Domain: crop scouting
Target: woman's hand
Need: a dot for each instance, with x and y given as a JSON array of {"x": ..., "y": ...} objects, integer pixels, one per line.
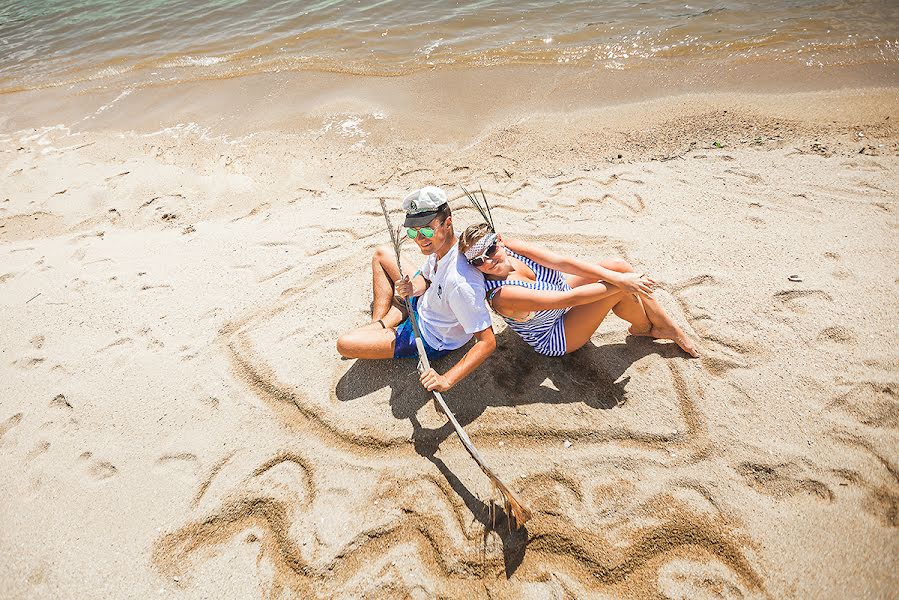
[
  {"x": 633, "y": 283},
  {"x": 434, "y": 381},
  {"x": 403, "y": 287}
]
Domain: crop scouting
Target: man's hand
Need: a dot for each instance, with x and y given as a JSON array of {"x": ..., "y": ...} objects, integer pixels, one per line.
[
  {"x": 434, "y": 381},
  {"x": 632, "y": 283},
  {"x": 403, "y": 287}
]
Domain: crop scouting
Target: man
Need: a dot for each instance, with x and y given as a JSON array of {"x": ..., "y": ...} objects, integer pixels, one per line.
[{"x": 447, "y": 295}]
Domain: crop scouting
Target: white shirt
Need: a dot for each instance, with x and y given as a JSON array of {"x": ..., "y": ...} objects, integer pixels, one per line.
[{"x": 453, "y": 307}]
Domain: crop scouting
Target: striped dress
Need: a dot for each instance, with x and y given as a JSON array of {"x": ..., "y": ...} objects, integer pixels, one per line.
[{"x": 545, "y": 329}]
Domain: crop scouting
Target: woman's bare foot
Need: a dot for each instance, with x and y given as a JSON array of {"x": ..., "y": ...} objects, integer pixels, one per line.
[{"x": 675, "y": 333}]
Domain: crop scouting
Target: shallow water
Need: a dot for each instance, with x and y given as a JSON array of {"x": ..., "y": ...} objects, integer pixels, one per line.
[{"x": 63, "y": 42}]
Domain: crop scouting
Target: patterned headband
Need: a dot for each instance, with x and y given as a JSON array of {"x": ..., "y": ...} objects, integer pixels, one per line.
[{"x": 478, "y": 248}]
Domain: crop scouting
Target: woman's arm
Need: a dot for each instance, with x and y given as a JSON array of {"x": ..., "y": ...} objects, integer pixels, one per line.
[
  {"x": 629, "y": 282},
  {"x": 560, "y": 262},
  {"x": 515, "y": 298}
]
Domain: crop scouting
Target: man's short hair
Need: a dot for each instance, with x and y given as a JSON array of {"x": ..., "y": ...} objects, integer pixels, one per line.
[{"x": 443, "y": 212}]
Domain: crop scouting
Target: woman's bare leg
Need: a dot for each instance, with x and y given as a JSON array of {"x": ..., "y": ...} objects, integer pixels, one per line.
[
  {"x": 654, "y": 321},
  {"x": 630, "y": 310},
  {"x": 581, "y": 322},
  {"x": 664, "y": 328}
]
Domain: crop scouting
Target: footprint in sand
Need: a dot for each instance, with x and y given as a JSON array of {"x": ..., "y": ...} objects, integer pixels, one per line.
[
  {"x": 726, "y": 351},
  {"x": 119, "y": 342},
  {"x": 838, "y": 335},
  {"x": 780, "y": 481},
  {"x": 103, "y": 470},
  {"x": 39, "y": 449},
  {"x": 158, "y": 286},
  {"x": 871, "y": 403},
  {"x": 78, "y": 284},
  {"x": 747, "y": 176},
  {"x": 800, "y": 301},
  {"x": 683, "y": 578},
  {"x": 210, "y": 401},
  {"x": 10, "y": 423},
  {"x": 755, "y": 221},
  {"x": 184, "y": 463},
  {"x": 98, "y": 469},
  {"x": 212, "y": 313},
  {"x": 841, "y": 272},
  {"x": 163, "y": 209},
  {"x": 28, "y": 363},
  {"x": 188, "y": 353},
  {"x": 881, "y": 498},
  {"x": 60, "y": 401}
]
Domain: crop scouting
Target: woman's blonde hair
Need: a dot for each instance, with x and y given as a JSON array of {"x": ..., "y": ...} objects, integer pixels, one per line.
[{"x": 472, "y": 234}]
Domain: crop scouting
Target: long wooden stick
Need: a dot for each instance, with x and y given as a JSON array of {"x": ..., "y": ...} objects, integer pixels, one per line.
[{"x": 520, "y": 513}]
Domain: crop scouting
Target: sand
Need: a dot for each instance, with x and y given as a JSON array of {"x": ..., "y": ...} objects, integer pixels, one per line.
[{"x": 175, "y": 421}]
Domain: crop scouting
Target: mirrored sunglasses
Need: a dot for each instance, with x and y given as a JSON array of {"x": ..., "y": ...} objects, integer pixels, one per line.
[
  {"x": 477, "y": 261},
  {"x": 428, "y": 232}
]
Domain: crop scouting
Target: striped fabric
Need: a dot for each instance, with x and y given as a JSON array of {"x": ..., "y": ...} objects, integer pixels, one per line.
[{"x": 545, "y": 330}]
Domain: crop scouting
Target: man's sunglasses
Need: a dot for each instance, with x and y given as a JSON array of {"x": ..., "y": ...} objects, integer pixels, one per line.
[
  {"x": 477, "y": 261},
  {"x": 428, "y": 232}
]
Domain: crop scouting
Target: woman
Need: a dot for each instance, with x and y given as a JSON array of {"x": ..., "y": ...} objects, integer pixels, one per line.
[{"x": 555, "y": 315}]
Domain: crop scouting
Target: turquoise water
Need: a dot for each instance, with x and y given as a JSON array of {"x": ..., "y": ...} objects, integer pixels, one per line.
[{"x": 56, "y": 42}]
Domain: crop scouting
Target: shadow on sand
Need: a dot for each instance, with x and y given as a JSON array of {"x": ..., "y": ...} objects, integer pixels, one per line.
[{"x": 511, "y": 377}]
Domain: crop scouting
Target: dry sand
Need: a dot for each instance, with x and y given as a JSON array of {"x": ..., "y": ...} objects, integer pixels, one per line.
[{"x": 175, "y": 421}]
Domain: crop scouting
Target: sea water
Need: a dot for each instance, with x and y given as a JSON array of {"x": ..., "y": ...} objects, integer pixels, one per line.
[{"x": 53, "y": 43}]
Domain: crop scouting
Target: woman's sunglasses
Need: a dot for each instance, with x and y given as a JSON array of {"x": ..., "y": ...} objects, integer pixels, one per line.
[
  {"x": 477, "y": 261},
  {"x": 428, "y": 232}
]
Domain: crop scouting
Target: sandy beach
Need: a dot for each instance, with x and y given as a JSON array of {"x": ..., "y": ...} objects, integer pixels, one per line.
[{"x": 175, "y": 421}]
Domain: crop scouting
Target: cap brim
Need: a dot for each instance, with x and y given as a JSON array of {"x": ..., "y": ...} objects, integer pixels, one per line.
[{"x": 419, "y": 219}]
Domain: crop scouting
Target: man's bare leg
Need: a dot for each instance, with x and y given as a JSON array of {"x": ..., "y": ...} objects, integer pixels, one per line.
[
  {"x": 384, "y": 272},
  {"x": 367, "y": 342},
  {"x": 376, "y": 339}
]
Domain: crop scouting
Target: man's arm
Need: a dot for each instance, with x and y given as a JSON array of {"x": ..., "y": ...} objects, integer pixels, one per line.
[
  {"x": 484, "y": 345},
  {"x": 409, "y": 288}
]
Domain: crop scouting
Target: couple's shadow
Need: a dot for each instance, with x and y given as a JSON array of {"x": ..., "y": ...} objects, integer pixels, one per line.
[{"x": 513, "y": 376}]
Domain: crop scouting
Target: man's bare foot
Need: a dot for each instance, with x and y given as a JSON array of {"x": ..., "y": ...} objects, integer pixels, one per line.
[{"x": 676, "y": 334}]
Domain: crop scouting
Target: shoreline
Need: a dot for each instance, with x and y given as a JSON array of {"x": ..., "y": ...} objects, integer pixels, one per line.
[{"x": 449, "y": 101}]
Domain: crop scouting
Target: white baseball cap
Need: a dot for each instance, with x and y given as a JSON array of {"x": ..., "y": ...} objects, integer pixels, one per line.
[{"x": 422, "y": 205}]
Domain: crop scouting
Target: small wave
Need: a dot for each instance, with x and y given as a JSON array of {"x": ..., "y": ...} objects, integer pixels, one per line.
[
  {"x": 107, "y": 72},
  {"x": 191, "y": 130},
  {"x": 346, "y": 126},
  {"x": 430, "y": 47},
  {"x": 110, "y": 104},
  {"x": 194, "y": 61},
  {"x": 350, "y": 125}
]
